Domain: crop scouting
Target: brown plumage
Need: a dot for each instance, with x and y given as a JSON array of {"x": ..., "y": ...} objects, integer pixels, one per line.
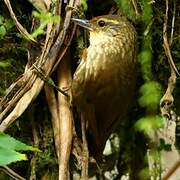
[{"x": 104, "y": 81}]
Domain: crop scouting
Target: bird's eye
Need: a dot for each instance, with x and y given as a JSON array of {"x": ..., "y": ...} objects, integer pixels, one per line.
[{"x": 101, "y": 23}]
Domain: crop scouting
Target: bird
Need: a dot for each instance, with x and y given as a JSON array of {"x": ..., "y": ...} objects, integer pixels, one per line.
[{"x": 104, "y": 82}]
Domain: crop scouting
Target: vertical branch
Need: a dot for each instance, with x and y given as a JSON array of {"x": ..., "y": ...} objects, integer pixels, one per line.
[
  {"x": 85, "y": 152},
  {"x": 65, "y": 117},
  {"x": 168, "y": 133},
  {"x": 167, "y": 100},
  {"x": 136, "y": 8},
  {"x": 173, "y": 23},
  {"x": 21, "y": 29},
  {"x": 36, "y": 144},
  {"x": 52, "y": 104}
]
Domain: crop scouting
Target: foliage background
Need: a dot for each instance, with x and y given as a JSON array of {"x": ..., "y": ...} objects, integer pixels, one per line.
[{"x": 128, "y": 150}]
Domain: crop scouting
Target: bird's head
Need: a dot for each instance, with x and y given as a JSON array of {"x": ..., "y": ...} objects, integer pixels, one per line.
[{"x": 105, "y": 27}]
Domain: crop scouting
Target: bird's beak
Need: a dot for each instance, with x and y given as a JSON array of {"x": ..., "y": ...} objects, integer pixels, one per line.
[{"x": 83, "y": 23}]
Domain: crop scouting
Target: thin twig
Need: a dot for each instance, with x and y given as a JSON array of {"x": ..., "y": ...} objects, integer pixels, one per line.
[
  {"x": 27, "y": 95},
  {"x": 166, "y": 44},
  {"x": 85, "y": 151},
  {"x": 18, "y": 95},
  {"x": 22, "y": 104},
  {"x": 64, "y": 32},
  {"x": 21, "y": 29},
  {"x": 167, "y": 100},
  {"x": 173, "y": 22},
  {"x": 171, "y": 171},
  {"x": 48, "y": 80},
  {"x": 11, "y": 173},
  {"x": 50, "y": 34},
  {"x": 77, "y": 148},
  {"x": 36, "y": 144},
  {"x": 136, "y": 7}
]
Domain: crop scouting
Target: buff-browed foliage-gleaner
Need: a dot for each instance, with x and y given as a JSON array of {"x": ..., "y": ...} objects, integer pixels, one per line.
[{"x": 103, "y": 83}]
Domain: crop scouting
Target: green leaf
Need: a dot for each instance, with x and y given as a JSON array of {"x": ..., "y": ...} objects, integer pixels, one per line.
[
  {"x": 145, "y": 60},
  {"x": 8, "y": 148},
  {"x": 45, "y": 18},
  {"x": 5, "y": 63},
  {"x": 126, "y": 8},
  {"x": 84, "y": 5},
  {"x": 147, "y": 11},
  {"x": 151, "y": 93},
  {"x": 14, "y": 144},
  {"x": 1, "y": 20},
  {"x": 149, "y": 124},
  {"x": 8, "y": 156},
  {"x": 9, "y": 24},
  {"x": 2, "y": 31}
]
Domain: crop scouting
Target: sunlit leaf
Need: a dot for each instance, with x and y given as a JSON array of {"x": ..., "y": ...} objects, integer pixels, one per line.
[
  {"x": 84, "y": 5},
  {"x": 14, "y": 144},
  {"x": 149, "y": 124},
  {"x": 5, "y": 64},
  {"x": 8, "y": 156},
  {"x": 45, "y": 18},
  {"x": 9, "y": 147},
  {"x": 126, "y": 7},
  {"x": 151, "y": 95}
]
